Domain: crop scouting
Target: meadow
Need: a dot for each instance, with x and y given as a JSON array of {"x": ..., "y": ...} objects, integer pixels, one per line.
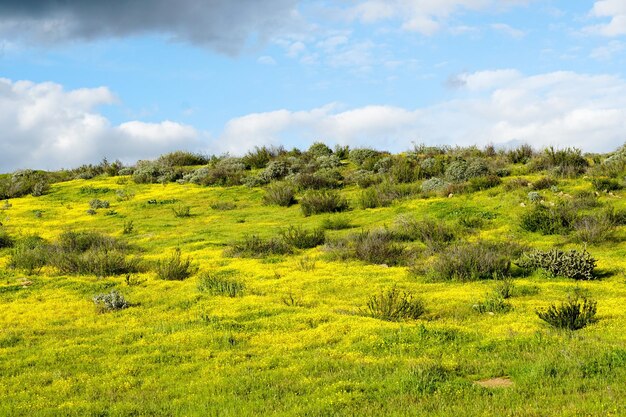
[{"x": 316, "y": 283}]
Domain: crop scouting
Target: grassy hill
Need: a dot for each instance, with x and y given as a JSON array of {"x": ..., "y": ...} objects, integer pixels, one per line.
[{"x": 181, "y": 286}]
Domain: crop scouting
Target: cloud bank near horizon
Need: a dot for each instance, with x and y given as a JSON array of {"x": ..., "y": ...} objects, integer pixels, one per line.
[{"x": 46, "y": 127}]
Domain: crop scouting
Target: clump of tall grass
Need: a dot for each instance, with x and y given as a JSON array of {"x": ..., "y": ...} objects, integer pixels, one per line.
[
  {"x": 252, "y": 246},
  {"x": 301, "y": 238},
  {"x": 573, "y": 314},
  {"x": 30, "y": 254},
  {"x": 435, "y": 235},
  {"x": 6, "y": 241},
  {"x": 280, "y": 194},
  {"x": 221, "y": 283},
  {"x": 473, "y": 261},
  {"x": 323, "y": 201},
  {"x": 336, "y": 223},
  {"x": 394, "y": 305},
  {"x": 175, "y": 268}
]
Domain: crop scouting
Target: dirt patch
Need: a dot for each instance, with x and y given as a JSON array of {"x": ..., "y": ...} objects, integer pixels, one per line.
[{"x": 501, "y": 382}]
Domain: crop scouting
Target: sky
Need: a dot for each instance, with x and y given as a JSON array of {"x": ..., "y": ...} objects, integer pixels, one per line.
[{"x": 129, "y": 80}]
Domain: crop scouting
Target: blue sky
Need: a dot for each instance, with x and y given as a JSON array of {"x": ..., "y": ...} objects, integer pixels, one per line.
[{"x": 82, "y": 80}]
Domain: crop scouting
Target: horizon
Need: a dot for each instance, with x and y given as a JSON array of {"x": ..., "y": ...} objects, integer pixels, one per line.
[{"x": 79, "y": 83}]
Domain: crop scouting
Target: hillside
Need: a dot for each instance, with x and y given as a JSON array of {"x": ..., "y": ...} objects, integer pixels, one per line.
[{"x": 315, "y": 283}]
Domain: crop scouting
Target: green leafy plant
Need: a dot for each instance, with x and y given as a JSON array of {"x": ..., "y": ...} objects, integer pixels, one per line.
[
  {"x": 280, "y": 194},
  {"x": 323, "y": 201},
  {"x": 573, "y": 314},
  {"x": 301, "y": 238},
  {"x": 221, "y": 283},
  {"x": 253, "y": 246}
]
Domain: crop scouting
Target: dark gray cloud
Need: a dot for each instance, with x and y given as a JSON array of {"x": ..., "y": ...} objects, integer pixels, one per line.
[{"x": 223, "y": 25}]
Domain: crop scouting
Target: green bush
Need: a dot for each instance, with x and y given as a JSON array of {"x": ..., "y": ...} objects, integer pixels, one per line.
[
  {"x": 223, "y": 205},
  {"x": 492, "y": 304},
  {"x": 261, "y": 156},
  {"x": 110, "y": 301},
  {"x": 319, "y": 149},
  {"x": 378, "y": 247},
  {"x": 521, "y": 154},
  {"x": 221, "y": 283},
  {"x": 394, "y": 305},
  {"x": 303, "y": 239},
  {"x": 30, "y": 254},
  {"x": 595, "y": 228},
  {"x": 324, "y": 178},
  {"x": 384, "y": 194},
  {"x": 573, "y": 314},
  {"x": 174, "y": 268},
  {"x": 472, "y": 261},
  {"x": 254, "y": 247},
  {"x": 567, "y": 162},
  {"x": 336, "y": 223},
  {"x": 434, "y": 184},
  {"x": 570, "y": 264},
  {"x": 606, "y": 184},
  {"x": 98, "y": 204},
  {"x": 280, "y": 194},
  {"x": 181, "y": 211},
  {"x": 182, "y": 158},
  {"x": 362, "y": 157},
  {"x": 435, "y": 235},
  {"x": 457, "y": 171},
  {"x": 315, "y": 202},
  {"x": 544, "y": 183},
  {"x": 6, "y": 241},
  {"x": 483, "y": 183},
  {"x": 549, "y": 220}
]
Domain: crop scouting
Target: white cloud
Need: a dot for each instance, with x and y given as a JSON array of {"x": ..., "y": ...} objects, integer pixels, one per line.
[
  {"x": 559, "y": 108},
  {"x": 615, "y": 10},
  {"x": 605, "y": 53},
  {"x": 422, "y": 16},
  {"x": 266, "y": 60},
  {"x": 44, "y": 126},
  {"x": 508, "y": 30}
]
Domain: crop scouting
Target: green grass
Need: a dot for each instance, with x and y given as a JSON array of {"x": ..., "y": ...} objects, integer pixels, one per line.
[{"x": 184, "y": 350}]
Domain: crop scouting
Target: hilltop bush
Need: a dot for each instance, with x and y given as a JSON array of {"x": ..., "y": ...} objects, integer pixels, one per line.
[
  {"x": 394, "y": 305},
  {"x": 259, "y": 157},
  {"x": 521, "y": 154},
  {"x": 567, "y": 162},
  {"x": 316, "y": 202},
  {"x": 24, "y": 182},
  {"x": 574, "y": 314},
  {"x": 574, "y": 264},
  {"x": 324, "y": 178},
  {"x": 182, "y": 158},
  {"x": 319, "y": 149}
]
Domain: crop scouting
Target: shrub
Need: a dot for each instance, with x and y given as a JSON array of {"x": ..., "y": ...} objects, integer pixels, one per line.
[
  {"x": 307, "y": 263},
  {"x": 594, "y": 229},
  {"x": 110, "y": 301},
  {"x": 383, "y": 195},
  {"x": 280, "y": 194},
  {"x": 325, "y": 178},
  {"x": 174, "y": 268},
  {"x": 504, "y": 288},
  {"x": 567, "y": 162},
  {"x": 378, "y": 247},
  {"x": 484, "y": 183},
  {"x": 319, "y": 149},
  {"x": 224, "y": 172},
  {"x": 606, "y": 184},
  {"x": 221, "y": 283},
  {"x": 361, "y": 157},
  {"x": 275, "y": 170},
  {"x": 149, "y": 172},
  {"x": 365, "y": 179},
  {"x": 129, "y": 227},
  {"x": 24, "y": 182},
  {"x": 181, "y": 211},
  {"x": 261, "y": 156},
  {"x": 393, "y": 305},
  {"x": 571, "y": 264},
  {"x": 254, "y": 247},
  {"x": 98, "y": 204},
  {"x": 302, "y": 238},
  {"x": 5, "y": 240},
  {"x": 492, "y": 304},
  {"x": 516, "y": 183},
  {"x": 30, "y": 254},
  {"x": 534, "y": 197},
  {"x": 315, "y": 202},
  {"x": 434, "y": 184},
  {"x": 223, "y": 205},
  {"x": 573, "y": 314},
  {"x": 549, "y": 220},
  {"x": 456, "y": 171},
  {"x": 336, "y": 223},
  {"x": 544, "y": 183},
  {"x": 472, "y": 261},
  {"x": 403, "y": 171},
  {"x": 435, "y": 235},
  {"x": 521, "y": 154},
  {"x": 182, "y": 158}
]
